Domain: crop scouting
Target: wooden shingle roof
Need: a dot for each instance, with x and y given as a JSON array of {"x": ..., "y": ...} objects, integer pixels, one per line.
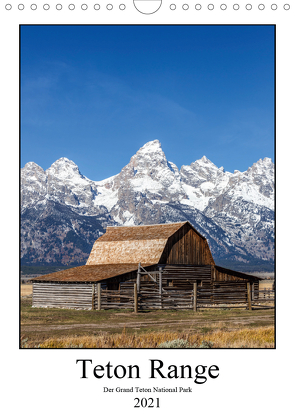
[
  {"x": 133, "y": 244},
  {"x": 88, "y": 273},
  {"x": 154, "y": 231}
]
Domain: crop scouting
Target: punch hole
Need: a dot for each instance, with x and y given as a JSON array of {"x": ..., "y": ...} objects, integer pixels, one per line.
[
  {"x": 261, "y": 6},
  {"x": 122, "y": 6},
  {"x": 109, "y": 7},
  {"x": 211, "y": 6},
  {"x": 71, "y": 6},
  {"x": 223, "y": 6},
  {"x": 248, "y": 6},
  {"x": 8, "y": 6},
  {"x": 84, "y": 6},
  {"x": 185, "y": 6},
  {"x": 46, "y": 6},
  {"x": 286, "y": 6},
  {"x": 58, "y": 6},
  {"x": 96, "y": 7},
  {"x": 236, "y": 6},
  {"x": 274, "y": 7},
  {"x": 21, "y": 7},
  {"x": 198, "y": 7},
  {"x": 33, "y": 6}
]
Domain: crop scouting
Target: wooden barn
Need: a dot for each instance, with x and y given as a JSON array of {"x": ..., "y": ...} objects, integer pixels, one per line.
[{"x": 154, "y": 266}]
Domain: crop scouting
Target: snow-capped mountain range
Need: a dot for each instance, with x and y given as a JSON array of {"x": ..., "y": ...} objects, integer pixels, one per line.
[{"x": 63, "y": 212}]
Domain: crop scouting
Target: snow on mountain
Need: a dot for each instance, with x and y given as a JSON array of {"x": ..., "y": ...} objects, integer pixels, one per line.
[
  {"x": 149, "y": 189},
  {"x": 66, "y": 184},
  {"x": 106, "y": 193},
  {"x": 65, "y": 170},
  {"x": 149, "y": 171},
  {"x": 33, "y": 184}
]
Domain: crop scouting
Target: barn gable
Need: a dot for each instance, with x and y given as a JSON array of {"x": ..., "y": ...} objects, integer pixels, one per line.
[{"x": 187, "y": 247}]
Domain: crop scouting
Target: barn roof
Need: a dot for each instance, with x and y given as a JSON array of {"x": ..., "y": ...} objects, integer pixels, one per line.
[
  {"x": 133, "y": 244},
  {"x": 238, "y": 274},
  {"x": 88, "y": 273},
  {"x": 142, "y": 232}
]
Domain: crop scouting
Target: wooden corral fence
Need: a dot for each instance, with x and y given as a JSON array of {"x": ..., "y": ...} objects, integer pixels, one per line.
[
  {"x": 93, "y": 297},
  {"x": 149, "y": 297},
  {"x": 265, "y": 298},
  {"x": 266, "y": 294},
  {"x": 146, "y": 299}
]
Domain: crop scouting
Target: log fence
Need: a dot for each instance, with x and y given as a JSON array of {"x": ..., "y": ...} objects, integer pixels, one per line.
[
  {"x": 266, "y": 294},
  {"x": 93, "y": 297},
  {"x": 149, "y": 297}
]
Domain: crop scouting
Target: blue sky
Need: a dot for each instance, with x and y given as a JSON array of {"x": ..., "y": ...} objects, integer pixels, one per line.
[{"x": 96, "y": 94}]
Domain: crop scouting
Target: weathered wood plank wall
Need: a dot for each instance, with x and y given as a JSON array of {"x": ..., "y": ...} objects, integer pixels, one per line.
[
  {"x": 69, "y": 295},
  {"x": 186, "y": 247}
]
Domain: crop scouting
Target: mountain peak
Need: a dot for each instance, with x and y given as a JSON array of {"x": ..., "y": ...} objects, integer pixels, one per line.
[
  {"x": 266, "y": 161},
  {"x": 63, "y": 161},
  {"x": 203, "y": 163},
  {"x": 64, "y": 168},
  {"x": 32, "y": 166},
  {"x": 149, "y": 171},
  {"x": 262, "y": 166},
  {"x": 149, "y": 154},
  {"x": 151, "y": 146}
]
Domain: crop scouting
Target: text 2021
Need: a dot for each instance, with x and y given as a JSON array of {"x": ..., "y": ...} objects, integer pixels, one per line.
[{"x": 147, "y": 402}]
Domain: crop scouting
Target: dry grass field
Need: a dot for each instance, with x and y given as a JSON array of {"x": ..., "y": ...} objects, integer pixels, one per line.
[
  {"x": 262, "y": 337},
  {"x": 26, "y": 289},
  {"x": 266, "y": 284},
  {"x": 208, "y": 328}
]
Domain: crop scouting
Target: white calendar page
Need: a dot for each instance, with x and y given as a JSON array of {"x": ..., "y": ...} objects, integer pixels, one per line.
[{"x": 50, "y": 381}]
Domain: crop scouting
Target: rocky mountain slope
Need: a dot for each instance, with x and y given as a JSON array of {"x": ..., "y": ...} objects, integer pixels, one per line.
[{"x": 63, "y": 212}]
